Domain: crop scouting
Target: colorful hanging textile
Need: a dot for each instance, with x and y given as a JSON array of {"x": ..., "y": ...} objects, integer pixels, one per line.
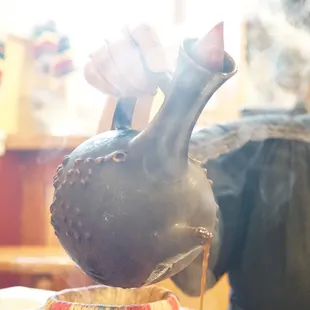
[
  {"x": 2, "y": 53},
  {"x": 1, "y": 58},
  {"x": 63, "y": 63},
  {"x": 52, "y": 50}
]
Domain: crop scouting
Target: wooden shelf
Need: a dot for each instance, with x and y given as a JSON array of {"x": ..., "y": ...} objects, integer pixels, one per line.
[
  {"x": 19, "y": 142},
  {"x": 34, "y": 259}
]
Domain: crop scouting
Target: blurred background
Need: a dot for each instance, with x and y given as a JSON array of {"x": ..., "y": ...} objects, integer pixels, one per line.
[{"x": 47, "y": 108}]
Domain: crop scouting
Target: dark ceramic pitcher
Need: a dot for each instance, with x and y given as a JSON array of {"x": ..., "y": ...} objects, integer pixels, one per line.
[{"x": 133, "y": 208}]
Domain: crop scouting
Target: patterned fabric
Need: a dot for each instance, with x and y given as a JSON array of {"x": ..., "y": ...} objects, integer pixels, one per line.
[
  {"x": 1, "y": 58},
  {"x": 63, "y": 63},
  {"x": 236, "y": 134},
  {"x": 91, "y": 297},
  {"x": 52, "y": 50}
]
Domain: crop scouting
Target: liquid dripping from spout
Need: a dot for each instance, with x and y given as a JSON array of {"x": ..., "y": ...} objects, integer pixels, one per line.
[
  {"x": 204, "y": 273},
  {"x": 208, "y": 51}
]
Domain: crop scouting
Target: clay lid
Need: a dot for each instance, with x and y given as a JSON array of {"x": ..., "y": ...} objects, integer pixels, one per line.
[{"x": 209, "y": 50}]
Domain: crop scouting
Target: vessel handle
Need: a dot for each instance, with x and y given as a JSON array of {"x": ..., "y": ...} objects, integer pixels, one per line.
[{"x": 123, "y": 114}]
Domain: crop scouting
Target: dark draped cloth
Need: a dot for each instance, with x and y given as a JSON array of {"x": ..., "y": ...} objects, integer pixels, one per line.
[{"x": 260, "y": 168}]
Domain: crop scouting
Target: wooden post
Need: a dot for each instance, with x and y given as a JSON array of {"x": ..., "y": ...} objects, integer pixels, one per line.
[
  {"x": 18, "y": 81},
  {"x": 15, "y": 106}
]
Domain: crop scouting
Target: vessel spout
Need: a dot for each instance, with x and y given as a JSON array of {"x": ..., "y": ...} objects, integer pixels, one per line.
[{"x": 202, "y": 67}]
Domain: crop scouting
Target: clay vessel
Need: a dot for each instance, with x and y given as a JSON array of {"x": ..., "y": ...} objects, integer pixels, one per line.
[
  {"x": 133, "y": 208},
  {"x": 101, "y": 297}
]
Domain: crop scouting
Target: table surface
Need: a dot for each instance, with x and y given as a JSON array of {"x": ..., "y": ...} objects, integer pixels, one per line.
[{"x": 23, "y": 298}]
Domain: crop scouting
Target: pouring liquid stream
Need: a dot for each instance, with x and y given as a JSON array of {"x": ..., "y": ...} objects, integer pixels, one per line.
[
  {"x": 204, "y": 273},
  {"x": 209, "y": 52}
]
